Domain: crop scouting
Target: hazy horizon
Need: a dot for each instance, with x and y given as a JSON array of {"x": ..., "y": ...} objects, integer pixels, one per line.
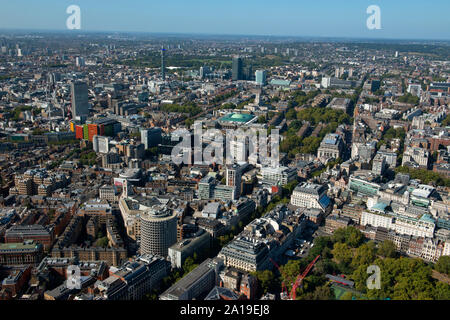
[{"x": 400, "y": 20}]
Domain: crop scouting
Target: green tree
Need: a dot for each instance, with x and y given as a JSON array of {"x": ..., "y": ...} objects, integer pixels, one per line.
[
  {"x": 365, "y": 254},
  {"x": 442, "y": 291},
  {"x": 350, "y": 235},
  {"x": 320, "y": 293},
  {"x": 342, "y": 253},
  {"x": 267, "y": 281},
  {"x": 443, "y": 265},
  {"x": 189, "y": 265},
  {"x": 387, "y": 249}
]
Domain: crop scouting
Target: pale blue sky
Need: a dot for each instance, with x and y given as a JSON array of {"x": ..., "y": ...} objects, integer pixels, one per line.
[{"x": 408, "y": 19}]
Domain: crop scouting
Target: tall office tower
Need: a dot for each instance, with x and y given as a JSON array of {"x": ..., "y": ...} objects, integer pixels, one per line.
[
  {"x": 237, "y": 73},
  {"x": 337, "y": 73},
  {"x": 261, "y": 77},
  {"x": 276, "y": 50},
  {"x": 375, "y": 85},
  {"x": 350, "y": 72},
  {"x": 248, "y": 73},
  {"x": 100, "y": 144},
  {"x": 239, "y": 150},
  {"x": 79, "y": 62},
  {"x": 80, "y": 103},
  {"x": 234, "y": 178},
  {"x": 396, "y": 54},
  {"x": 204, "y": 71},
  {"x": 163, "y": 66},
  {"x": 158, "y": 230},
  {"x": 151, "y": 137},
  {"x": 263, "y": 50}
]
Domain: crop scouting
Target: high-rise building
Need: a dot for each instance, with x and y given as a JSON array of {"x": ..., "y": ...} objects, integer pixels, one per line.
[
  {"x": 79, "y": 61},
  {"x": 100, "y": 144},
  {"x": 337, "y": 73},
  {"x": 151, "y": 137},
  {"x": 163, "y": 67},
  {"x": 158, "y": 230},
  {"x": 239, "y": 150},
  {"x": 261, "y": 77},
  {"x": 80, "y": 103},
  {"x": 375, "y": 85},
  {"x": 350, "y": 72},
  {"x": 237, "y": 73},
  {"x": 204, "y": 71},
  {"x": 234, "y": 178}
]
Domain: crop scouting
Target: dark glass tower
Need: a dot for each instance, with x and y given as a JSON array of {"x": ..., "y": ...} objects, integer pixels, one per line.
[
  {"x": 237, "y": 73},
  {"x": 163, "y": 67}
]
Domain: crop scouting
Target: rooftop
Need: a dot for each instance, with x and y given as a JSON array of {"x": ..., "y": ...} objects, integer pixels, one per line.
[{"x": 237, "y": 117}]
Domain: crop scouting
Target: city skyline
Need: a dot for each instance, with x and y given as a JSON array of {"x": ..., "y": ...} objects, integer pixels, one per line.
[{"x": 190, "y": 157}]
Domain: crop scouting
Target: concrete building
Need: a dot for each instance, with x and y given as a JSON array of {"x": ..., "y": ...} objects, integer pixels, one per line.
[
  {"x": 309, "y": 195},
  {"x": 402, "y": 224},
  {"x": 28, "y": 252},
  {"x": 100, "y": 144},
  {"x": 180, "y": 251},
  {"x": 134, "y": 279},
  {"x": 278, "y": 176},
  {"x": 342, "y": 104},
  {"x": 331, "y": 147},
  {"x": 379, "y": 164},
  {"x": 158, "y": 230},
  {"x": 234, "y": 178},
  {"x": 109, "y": 193},
  {"x": 246, "y": 254},
  {"x": 38, "y": 233},
  {"x": 416, "y": 157},
  {"x": 197, "y": 283}
]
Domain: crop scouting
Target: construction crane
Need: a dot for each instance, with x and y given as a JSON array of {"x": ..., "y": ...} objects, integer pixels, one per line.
[{"x": 300, "y": 278}]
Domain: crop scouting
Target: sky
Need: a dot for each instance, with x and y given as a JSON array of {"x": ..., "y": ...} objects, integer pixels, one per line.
[{"x": 400, "y": 19}]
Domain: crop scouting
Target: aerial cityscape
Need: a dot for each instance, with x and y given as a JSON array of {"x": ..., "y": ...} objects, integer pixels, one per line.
[{"x": 173, "y": 166}]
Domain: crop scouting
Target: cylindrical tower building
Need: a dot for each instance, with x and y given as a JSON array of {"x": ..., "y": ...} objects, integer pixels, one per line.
[{"x": 158, "y": 231}]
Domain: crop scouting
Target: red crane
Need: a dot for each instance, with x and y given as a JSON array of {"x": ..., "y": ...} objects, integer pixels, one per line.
[{"x": 300, "y": 278}]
